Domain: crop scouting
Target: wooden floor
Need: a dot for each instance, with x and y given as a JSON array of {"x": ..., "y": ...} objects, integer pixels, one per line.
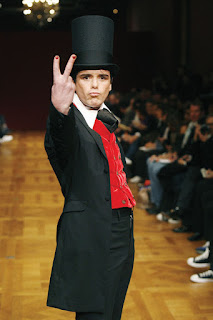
[{"x": 30, "y": 205}]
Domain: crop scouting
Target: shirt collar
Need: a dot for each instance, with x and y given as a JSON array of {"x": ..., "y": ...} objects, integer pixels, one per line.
[{"x": 88, "y": 114}]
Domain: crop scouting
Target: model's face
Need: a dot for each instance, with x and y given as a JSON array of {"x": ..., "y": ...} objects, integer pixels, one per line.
[{"x": 93, "y": 86}]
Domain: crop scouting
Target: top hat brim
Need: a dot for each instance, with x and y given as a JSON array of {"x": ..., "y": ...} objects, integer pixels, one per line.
[{"x": 113, "y": 68}]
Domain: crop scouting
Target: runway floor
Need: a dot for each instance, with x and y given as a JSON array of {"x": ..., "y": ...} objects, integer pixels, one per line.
[{"x": 30, "y": 206}]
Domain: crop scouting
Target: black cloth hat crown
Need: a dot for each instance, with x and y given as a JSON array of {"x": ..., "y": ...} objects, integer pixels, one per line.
[{"x": 92, "y": 42}]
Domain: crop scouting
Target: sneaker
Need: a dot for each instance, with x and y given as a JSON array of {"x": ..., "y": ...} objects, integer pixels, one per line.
[
  {"x": 201, "y": 261},
  {"x": 169, "y": 216},
  {"x": 162, "y": 216},
  {"x": 206, "y": 276},
  {"x": 6, "y": 138},
  {"x": 174, "y": 220},
  {"x": 135, "y": 179},
  {"x": 203, "y": 248},
  {"x": 128, "y": 161}
]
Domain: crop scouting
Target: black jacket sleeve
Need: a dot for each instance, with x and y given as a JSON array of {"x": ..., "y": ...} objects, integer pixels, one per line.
[{"x": 59, "y": 139}]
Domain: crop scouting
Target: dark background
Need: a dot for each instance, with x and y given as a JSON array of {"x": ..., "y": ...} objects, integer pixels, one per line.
[{"x": 151, "y": 37}]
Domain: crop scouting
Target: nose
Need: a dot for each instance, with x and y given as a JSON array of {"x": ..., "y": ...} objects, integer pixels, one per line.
[{"x": 94, "y": 82}]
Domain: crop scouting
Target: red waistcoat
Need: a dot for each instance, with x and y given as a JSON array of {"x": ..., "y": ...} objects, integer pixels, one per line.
[{"x": 121, "y": 195}]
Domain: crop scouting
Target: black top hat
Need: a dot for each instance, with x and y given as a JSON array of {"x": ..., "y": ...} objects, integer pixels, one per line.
[{"x": 92, "y": 42}]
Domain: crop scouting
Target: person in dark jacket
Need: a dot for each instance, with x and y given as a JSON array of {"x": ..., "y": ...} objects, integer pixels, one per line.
[
  {"x": 94, "y": 255},
  {"x": 202, "y": 159}
]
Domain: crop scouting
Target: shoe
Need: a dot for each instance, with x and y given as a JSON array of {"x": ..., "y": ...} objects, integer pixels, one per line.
[
  {"x": 170, "y": 216},
  {"x": 6, "y": 138},
  {"x": 196, "y": 236},
  {"x": 203, "y": 248},
  {"x": 162, "y": 216},
  {"x": 135, "y": 179},
  {"x": 201, "y": 261},
  {"x": 182, "y": 229},
  {"x": 128, "y": 161},
  {"x": 174, "y": 220},
  {"x": 206, "y": 276}
]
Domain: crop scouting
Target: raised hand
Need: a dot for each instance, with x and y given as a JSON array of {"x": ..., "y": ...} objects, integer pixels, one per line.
[{"x": 63, "y": 87}]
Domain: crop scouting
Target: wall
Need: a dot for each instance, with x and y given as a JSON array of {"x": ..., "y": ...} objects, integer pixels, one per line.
[
  {"x": 161, "y": 19},
  {"x": 26, "y": 71},
  {"x": 201, "y": 35}
]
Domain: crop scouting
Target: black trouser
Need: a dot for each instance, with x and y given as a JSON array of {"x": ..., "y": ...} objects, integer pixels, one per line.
[
  {"x": 119, "y": 267},
  {"x": 203, "y": 209},
  {"x": 185, "y": 197}
]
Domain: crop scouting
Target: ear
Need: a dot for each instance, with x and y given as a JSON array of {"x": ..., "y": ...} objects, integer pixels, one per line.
[{"x": 110, "y": 88}]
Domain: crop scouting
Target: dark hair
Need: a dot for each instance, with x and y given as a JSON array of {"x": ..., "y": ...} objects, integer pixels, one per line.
[
  {"x": 139, "y": 106},
  {"x": 124, "y": 103},
  {"x": 197, "y": 102},
  {"x": 76, "y": 70},
  {"x": 163, "y": 108},
  {"x": 210, "y": 115}
]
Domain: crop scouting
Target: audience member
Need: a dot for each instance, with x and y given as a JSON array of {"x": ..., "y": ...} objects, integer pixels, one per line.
[{"x": 4, "y": 131}]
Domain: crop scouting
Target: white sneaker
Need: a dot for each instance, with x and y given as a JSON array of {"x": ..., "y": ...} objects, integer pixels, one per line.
[
  {"x": 174, "y": 220},
  {"x": 135, "y": 179},
  {"x": 162, "y": 217},
  {"x": 6, "y": 138},
  {"x": 128, "y": 161},
  {"x": 201, "y": 261},
  {"x": 206, "y": 276}
]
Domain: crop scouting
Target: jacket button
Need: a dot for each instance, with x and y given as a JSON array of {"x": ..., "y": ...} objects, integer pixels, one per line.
[
  {"x": 117, "y": 173},
  {"x": 114, "y": 158},
  {"x": 123, "y": 201},
  {"x": 125, "y": 184},
  {"x": 119, "y": 156},
  {"x": 107, "y": 198}
]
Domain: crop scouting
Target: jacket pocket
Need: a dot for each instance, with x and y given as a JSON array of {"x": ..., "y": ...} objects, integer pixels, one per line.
[{"x": 75, "y": 205}]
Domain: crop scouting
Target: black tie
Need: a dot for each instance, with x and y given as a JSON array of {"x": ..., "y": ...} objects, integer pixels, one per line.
[{"x": 108, "y": 119}]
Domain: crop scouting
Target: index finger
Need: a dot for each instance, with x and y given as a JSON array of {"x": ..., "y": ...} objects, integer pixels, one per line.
[
  {"x": 56, "y": 68},
  {"x": 69, "y": 65}
]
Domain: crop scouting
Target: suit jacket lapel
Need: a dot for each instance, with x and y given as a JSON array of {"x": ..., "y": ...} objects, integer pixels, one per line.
[{"x": 93, "y": 133}]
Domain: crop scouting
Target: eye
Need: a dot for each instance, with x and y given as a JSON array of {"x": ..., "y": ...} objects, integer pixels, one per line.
[
  {"x": 104, "y": 77},
  {"x": 86, "y": 77}
]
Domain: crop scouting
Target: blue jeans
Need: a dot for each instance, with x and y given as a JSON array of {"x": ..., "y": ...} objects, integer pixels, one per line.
[{"x": 156, "y": 187}]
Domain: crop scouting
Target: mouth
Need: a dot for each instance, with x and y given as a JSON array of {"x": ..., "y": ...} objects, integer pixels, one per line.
[{"x": 94, "y": 94}]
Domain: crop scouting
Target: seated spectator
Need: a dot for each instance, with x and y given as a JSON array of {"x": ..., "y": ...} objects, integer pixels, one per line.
[
  {"x": 204, "y": 223},
  {"x": 128, "y": 112},
  {"x": 176, "y": 166},
  {"x": 202, "y": 159},
  {"x": 112, "y": 101},
  {"x": 157, "y": 142},
  {"x": 139, "y": 126},
  {"x": 4, "y": 131}
]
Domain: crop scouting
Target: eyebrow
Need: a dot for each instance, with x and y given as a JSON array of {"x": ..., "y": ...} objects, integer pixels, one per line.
[{"x": 89, "y": 74}]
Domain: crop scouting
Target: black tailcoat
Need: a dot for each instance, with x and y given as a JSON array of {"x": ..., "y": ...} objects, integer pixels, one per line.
[{"x": 78, "y": 158}]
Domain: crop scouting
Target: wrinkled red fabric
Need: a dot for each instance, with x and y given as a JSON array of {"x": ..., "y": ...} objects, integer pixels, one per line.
[{"x": 121, "y": 195}]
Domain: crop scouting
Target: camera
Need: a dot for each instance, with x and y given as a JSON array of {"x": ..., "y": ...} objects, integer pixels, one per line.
[{"x": 204, "y": 129}]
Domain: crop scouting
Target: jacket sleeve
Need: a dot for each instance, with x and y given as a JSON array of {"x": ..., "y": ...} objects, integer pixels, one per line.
[{"x": 59, "y": 139}]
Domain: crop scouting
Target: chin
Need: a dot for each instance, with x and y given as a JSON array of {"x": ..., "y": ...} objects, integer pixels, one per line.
[{"x": 95, "y": 102}]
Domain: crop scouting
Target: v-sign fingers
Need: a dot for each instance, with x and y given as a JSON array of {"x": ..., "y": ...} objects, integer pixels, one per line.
[
  {"x": 69, "y": 65},
  {"x": 56, "y": 68}
]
